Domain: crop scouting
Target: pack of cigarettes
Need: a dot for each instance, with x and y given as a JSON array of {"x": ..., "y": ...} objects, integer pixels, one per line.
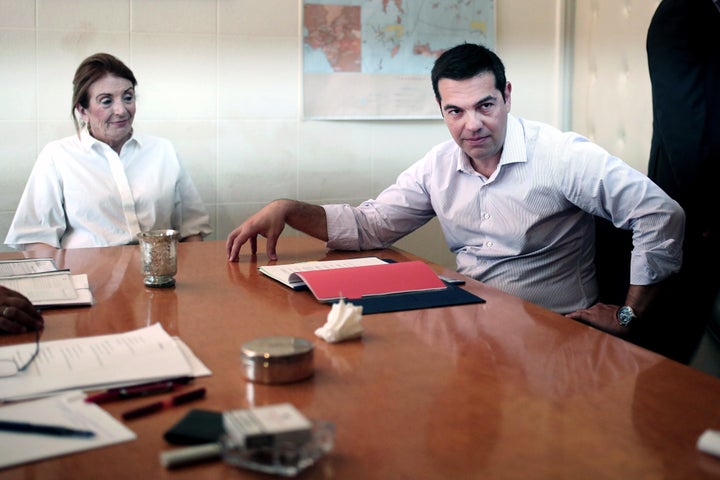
[{"x": 267, "y": 426}]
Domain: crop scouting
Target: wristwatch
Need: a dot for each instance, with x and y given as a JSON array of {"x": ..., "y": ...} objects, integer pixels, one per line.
[{"x": 626, "y": 315}]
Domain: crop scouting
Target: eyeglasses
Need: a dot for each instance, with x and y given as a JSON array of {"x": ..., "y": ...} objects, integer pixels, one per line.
[{"x": 9, "y": 366}]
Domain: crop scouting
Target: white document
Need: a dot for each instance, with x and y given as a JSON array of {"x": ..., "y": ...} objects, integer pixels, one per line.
[
  {"x": 53, "y": 289},
  {"x": 11, "y": 268},
  {"x": 67, "y": 410},
  {"x": 86, "y": 363},
  {"x": 82, "y": 288},
  {"x": 196, "y": 366},
  {"x": 286, "y": 274},
  {"x": 43, "y": 284}
]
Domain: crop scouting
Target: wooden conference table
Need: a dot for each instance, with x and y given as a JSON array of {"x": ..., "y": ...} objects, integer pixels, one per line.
[{"x": 500, "y": 390}]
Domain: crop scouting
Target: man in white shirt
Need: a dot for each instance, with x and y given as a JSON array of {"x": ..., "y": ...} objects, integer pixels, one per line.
[{"x": 516, "y": 200}]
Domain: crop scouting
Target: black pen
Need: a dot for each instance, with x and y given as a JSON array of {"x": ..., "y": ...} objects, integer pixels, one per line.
[
  {"x": 55, "y": 430},
  {"x": 170, "y": 402}
]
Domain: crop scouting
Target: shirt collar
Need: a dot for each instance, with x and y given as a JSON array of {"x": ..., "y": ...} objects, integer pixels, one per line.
[
  {"x": 88, "y": 141},
  {"x": 514, "y": 148}
]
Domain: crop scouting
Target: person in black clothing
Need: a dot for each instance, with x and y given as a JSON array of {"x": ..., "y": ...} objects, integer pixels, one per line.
[{"x": 683, "y": 52}]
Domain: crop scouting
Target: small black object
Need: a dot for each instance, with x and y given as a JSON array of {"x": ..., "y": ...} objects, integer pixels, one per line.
[{"x": 196, "y": 427}]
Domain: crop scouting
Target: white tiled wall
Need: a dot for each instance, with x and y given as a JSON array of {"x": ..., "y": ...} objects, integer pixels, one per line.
[
  {"x": 221, "y": 79},
  {"x": 612, "y": 102}
]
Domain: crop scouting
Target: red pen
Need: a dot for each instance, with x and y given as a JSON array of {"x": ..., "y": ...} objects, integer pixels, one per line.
[
  {"x": 142, "y": 390},
  {"x": 161, "y": 405}
]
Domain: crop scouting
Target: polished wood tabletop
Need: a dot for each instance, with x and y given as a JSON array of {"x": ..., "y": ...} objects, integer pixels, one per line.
[{"x": 499, "y": 390}]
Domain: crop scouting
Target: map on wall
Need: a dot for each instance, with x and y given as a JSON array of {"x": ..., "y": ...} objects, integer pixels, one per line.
[{"x": 372, "y": 58}]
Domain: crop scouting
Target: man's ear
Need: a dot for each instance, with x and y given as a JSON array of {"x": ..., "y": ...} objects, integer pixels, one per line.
[{"x": 508, "y": 90}]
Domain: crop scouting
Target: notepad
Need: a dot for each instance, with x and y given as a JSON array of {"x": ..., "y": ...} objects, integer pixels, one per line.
[{"x": 288, "y": 274}]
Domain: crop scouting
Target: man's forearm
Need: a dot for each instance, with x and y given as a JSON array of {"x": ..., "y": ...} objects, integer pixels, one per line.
[
  {"x": 307, "y": 218},
  {"x": 641, "y": 297}
]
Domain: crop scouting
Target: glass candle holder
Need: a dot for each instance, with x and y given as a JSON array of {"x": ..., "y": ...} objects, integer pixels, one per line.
[{"x": 158, "y": 256}]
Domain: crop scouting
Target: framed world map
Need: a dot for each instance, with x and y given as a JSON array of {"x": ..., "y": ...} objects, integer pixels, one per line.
[{"x": 371, "y": 59}]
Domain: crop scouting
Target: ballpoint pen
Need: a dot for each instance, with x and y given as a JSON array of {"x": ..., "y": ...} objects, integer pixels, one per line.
[
  {"x": 143, "y": 390},
  {"x": 54, "y": 430},
  {"x": 170, "y": 402}
]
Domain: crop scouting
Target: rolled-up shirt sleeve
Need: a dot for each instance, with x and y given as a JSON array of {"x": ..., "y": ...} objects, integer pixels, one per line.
[
  {"x": 397, "y": 211},
  {"x": 370, "y": 225},
  {"x": 626, "y": 197},
  {"x": 342, "y": 229}
]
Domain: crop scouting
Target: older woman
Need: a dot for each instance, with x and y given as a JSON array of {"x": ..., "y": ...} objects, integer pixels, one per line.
[{"x": 104, "y": 185}]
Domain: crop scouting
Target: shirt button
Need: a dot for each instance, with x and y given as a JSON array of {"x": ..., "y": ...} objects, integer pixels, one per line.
[
  {"x": 489, "y": 244},
  {"x": 486, "y": 215}
]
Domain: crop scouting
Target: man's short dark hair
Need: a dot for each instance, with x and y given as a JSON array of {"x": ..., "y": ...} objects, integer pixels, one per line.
[{"x": 466, "y": 61}]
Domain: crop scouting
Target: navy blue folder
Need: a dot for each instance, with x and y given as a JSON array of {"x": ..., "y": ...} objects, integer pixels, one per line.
[{"x": 453, "y": 295}]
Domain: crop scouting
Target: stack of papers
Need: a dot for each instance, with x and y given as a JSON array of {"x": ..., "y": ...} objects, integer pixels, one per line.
[
  {"x": 104, "y": 361},
  {"x": 65, "y": 368},
  {"x": 44, "y": 284}
]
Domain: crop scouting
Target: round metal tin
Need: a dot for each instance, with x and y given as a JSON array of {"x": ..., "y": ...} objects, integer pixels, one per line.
[{"x": 277, "y": 359}]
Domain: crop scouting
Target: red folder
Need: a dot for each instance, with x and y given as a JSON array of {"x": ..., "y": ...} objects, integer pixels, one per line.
[{"x": 357, "y": 282}]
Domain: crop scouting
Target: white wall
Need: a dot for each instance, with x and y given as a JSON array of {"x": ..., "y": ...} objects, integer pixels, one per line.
[
  {"x": 221, "y": 79},
  {"x": 612, "y": 103}
]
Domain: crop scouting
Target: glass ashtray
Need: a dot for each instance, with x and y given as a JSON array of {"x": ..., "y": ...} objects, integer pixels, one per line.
[{"x": 285, "y": 459}]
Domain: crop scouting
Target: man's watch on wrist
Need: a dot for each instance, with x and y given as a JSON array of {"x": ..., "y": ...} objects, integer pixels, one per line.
[{"x": 625, "y": 316}]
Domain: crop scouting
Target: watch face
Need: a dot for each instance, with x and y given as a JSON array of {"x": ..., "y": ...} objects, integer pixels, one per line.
[{"x": 625, "y": 315}]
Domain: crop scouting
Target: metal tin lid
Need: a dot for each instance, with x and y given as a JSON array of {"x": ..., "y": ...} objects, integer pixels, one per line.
[{"x": 277, "y": 359}]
